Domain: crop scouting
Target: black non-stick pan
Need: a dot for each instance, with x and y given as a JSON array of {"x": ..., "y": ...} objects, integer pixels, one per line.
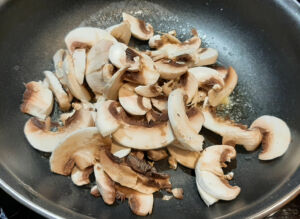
[{"x": 260, "y": 39}]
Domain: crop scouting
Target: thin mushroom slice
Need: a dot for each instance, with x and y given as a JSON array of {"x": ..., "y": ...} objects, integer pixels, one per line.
[
  {"x": 60, "y": 94},
  {"x": 86, "y": 37},
  {"x": 119, "y": 150},
  {"x": 83, "y": 141},
  {"x": 121, "y": 32},
  {"x": 184, "y": 157},
  {"x": 276, "y": 136},
  {"x": 152, "y": 90},
  {"x": 207, "y": 198},
  {"x": 132, "y": 102},
  {"x": 79, "y": 60},
  {"x": 81, "y": 177},
  {"x": 105, "y": 185},
  {"x": 139, "y": 29},
  {"x": 95, "y": 81},
  {"x": 37, "y": 100},
  {"x": 58, "y": 64},
  {"x": 160, "y": 103},
  {"x": 216, "y": 97},
  {"x": 205, "y": 56},
  {"x": 157, "y": 155},
  {"x": 188, "y": 84},
  {"x": 169, "y": 69},
  {"x": 107, "y": 72},
  {"x": 40, "y": 136},
  {"x": 183, "y": 131}
]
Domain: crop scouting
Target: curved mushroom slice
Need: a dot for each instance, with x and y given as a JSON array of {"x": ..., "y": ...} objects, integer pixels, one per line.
[
  {"x": 140, "y": 204},
  {"x": 183, "y": 131},
  {"x": 188, "y": 84},
  {"x": 157, "y": 155},
  {"x": 209, "y": 173},
  {"x": 215, "y": 97},
  {"x": 77, "y": 90},
  {"x": 61, "y": 96},
  {"x": 231, "y": 132},
  {"x": 83, "y": 141},
  {"x": 133, "y": 103},
  {"x": 152, "y": 90},
  {"x": 207, "y": 198},
  {"x": 121, "y": 32},
  {"x": 205, "y": 56},
  {"x": 95, "y": 81},
  {"x": 40, "y": 136},
  {"x": 160, "y": 103},
  {"x": 169, "y": 69},
  {"x": 113, "y": 85},
  {"x": 79, "y": 60},
  {"x": 155, "y": 41},
  {"x": 58, "y": 64},
  {"x": 276, "y": 136},
  {"x": 105, "y": 185},
  {"x": 37, "y": 100},
  {"x": 86, "y": 37},
  {"x": 119, "y": 150},
  {"x": 81, "y": 177},
  {"x": 221, "y": 70},
  {"x": 139, "y": 29},
  {"x": 207, "y": 78},
  {"x": 184, "y": 157}
]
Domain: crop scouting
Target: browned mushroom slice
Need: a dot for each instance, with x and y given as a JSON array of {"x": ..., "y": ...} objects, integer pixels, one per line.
[
  {"x": 184, "y": 157},
  {"x": 121, "y": 32},
  {"x": 87, "y": 141},
  {"x": 95, "y": 191},
  {"x": 81, "y": 177},
  {"x": 169, "y": 69},
  {"x": 119, "y": 150},
  {"x": 157, "y": 155},
  {"x": 178, "y": 193},
  {"x": 152, "y": 90},
  {"x": 37, "y": 100}
]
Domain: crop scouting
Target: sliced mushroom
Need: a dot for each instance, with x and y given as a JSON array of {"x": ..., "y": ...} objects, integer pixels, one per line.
[
  {"x": 169, "y": 69},
  {"x": 107, "y": 72},
  {"x": 121, "y": 32},
  {"x": 172, "y": 162},
  {"x": 40, "y": 136},
  {"x": 79, "y": 60},
  {"x": 58, "y": 64},
  {"x": 95, "y": 191},
  {"x": 140, "y": 204},
  {"x": 184, "y": 157},
  {"x": 95, "y": 81},
  {"x": 215, "y": 97},
  {"x": 65, "y": 116},
  {"x": 207, "y": 198},
  {"x": 61, "y": 96},
  {"x": 119, "y": 150},
  {"x": 152, "y": 90},
  {"x": 276, "y": 136},
  {"x": 178, "y": 193},
  {"x": 155, "y": 41},
  {"x": 113, "y": 85},
  {"x": 139, "y": 29},
  {"x": 37, "y": 100},
  {"x": 105, "y": 185},
  {"x": 205, "y": 56},
  {"x": 231, "y": 132},
  {"x": 86, "y": 37},
  {"x": 132, "y": 102},
  {"x": 183, "y": 132},
  {"x": 157, "y": 155},
  {"x": 207, "y": 78},
  {"x": 210, "y": 176},
  {"x": 81, "y": 177},
  {"x": 160, "y": 103},
  {"x": 188, "y": 84},
  {"x": 86, "y": 141}
]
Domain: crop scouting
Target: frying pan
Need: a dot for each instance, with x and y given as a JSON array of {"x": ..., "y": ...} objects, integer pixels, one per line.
[{"x": 261, "y": 39}]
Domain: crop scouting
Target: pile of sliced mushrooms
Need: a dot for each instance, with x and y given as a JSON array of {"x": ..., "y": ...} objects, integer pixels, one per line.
[{"x": 124, "y": 109}]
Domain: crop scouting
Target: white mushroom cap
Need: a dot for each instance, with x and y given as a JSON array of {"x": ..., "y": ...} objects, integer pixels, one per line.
[
  {"x": 37, "y": 100},
  {"x": 169, "y": 69},
  {"x": 152, "y": 90},
  {"x": 119, "y": 150},
  {"x": 139, "y": 29},
  {"x": 183, "y": 132},
  {"x": 61, "y": 96},
  {"x": 86, "y": 37},
  {"x": 132, "y": 102},
  {"x": 58, "y": 64},
  {"x": 79, "y": 60},
  {"x": 86, "y": 140},
  {"x": 81, "y": 177},
  {"x": 40, "y": 136},
  {"x": 121, "y": 32},
  {"x": 276, "y": 136},
  {"x": 205, "y": 56},
  {"x": 215, "y": 97}
]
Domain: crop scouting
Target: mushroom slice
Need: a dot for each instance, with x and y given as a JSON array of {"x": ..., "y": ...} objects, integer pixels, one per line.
[
  {"x": 40, "y": 136},
  {"x": 276, "y": 136},
  {"x": 86, "y": 37},
  {"x": 105, "y": 185},
  {"x": 178, "y": 193},
  {"x": 105, "y": 119},
  {"x": 37, "y": 100},
  {"x": 58, "y": 64},
  {"x": 183, "y": 131},
  {"x": 152, "y": 90},
  {"x": 61, "y": 96},
  {"x": 209, "y": 173},
  {"x": 140, "y": 204},
  {"x": 95, "y": 191},
  {"x": 155, "y": 41},
  {"x": 133, "y": 103},
  {"x": 139, "y": 29},
  {"x": 81, "y": 177},
  {"x": 215, "y": 97},
  {"x": 121, "y": 32},
  {"x": 184, "y": 157},
  {"x": 83, "y": 141},
  {"x": 231, "y": 132},
  {"x": 160, "y": 103},
  {"x": 77, "y": 90},
  {"x": 65, "y": 116},
  {"x": 169, "y": 69},
  {"x": 119, "y": 150},
  {"x": 188, "y": 84},
  {"x": 113, "y": 85},
  {"x": 79, "y": 60},
  {"x": 205, "y": 56},
  {"x": 98, "y": 56},
  {"x": 95, "y": 81},
  {"x": 207, "y": 78},
  {"x": 207, "y": 198},
  {"x": 172, "y": 162},
  {"x": 157, "y": 155},
  {"x": 107, "y": 72}
]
